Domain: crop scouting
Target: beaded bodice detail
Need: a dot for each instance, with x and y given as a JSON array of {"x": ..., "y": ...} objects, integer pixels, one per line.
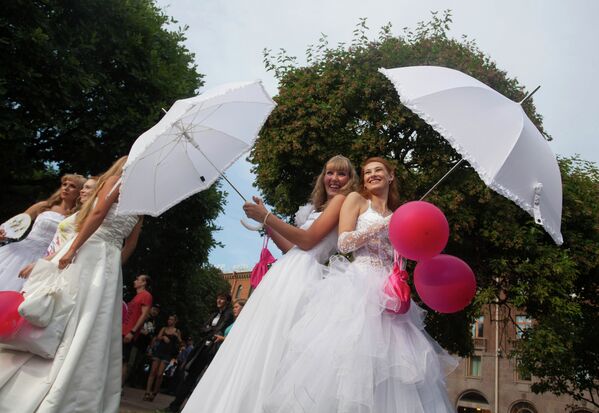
[
  {"x": 115, "y": 228},
  {"x": 44, "y": 226},
  {"x": 377, "y": 251}
]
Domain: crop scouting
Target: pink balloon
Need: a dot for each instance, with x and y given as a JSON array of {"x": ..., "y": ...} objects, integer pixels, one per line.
[
  {"x": 418, "y": 230},
  {"x": 10, "y": 319},
  {"x": 445, "y": 283}
]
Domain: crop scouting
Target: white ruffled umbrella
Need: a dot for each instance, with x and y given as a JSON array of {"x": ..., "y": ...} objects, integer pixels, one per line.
[
  {"x": 191, "y": 146},
  {"x": 492, "y": 133}
]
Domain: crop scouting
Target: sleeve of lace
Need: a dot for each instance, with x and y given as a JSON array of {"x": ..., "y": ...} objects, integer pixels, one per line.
[{"x": 352, "y": 240}]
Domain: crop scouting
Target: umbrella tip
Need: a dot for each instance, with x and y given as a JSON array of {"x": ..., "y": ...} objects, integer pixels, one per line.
[{"x": 530, "y": 94}]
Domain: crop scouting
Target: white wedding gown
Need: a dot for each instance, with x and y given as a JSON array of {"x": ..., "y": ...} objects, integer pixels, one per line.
[
  {"x": 16, "y": 255},
  {"x": 85, "y": 375},
  {"x": 347, "y": 354},
  {"x": 243, "y": 371}
]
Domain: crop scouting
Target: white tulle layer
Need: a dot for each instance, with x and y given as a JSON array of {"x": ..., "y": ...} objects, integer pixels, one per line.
[
  {"x": 347, "y": 354},
  {"x": 13, "y": 257},
  {"x": 243, "y": 371}
]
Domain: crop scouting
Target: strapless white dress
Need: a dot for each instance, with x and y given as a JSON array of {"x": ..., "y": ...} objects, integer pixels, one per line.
[
  {"x": 243, "y": 371},
  {"x": 85, "y": 375}
]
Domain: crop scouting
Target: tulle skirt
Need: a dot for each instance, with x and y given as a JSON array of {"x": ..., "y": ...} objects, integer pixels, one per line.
[
  {"x": 347, "y": 354},
  {"x": 243, "y": 371},
  {"x": 16, "y": 255}
]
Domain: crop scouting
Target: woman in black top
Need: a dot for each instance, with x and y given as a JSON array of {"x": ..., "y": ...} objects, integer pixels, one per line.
[{"x": 166, "y": 348}]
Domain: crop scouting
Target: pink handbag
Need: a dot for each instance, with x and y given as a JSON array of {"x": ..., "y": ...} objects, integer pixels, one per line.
[
  {"x": 261, "y": 267},
  {"x": 396, "y": 288}
]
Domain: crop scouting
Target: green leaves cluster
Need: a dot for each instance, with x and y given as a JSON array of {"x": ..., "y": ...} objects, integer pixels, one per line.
[
  {"x": 339, "y": 103},
  {"x": 79, "y": 82}
]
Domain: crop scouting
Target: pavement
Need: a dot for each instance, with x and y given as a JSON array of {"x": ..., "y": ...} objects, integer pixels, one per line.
[{"x": 131, "y": 401}]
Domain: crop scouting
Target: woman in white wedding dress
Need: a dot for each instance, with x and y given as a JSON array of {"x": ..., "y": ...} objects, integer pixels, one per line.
[
  {"x": 84, "y": 375},
  {"x": 45, "y": 216},
  {"x": 347, "y": 353},
  {"x": 242, "y": 372}
]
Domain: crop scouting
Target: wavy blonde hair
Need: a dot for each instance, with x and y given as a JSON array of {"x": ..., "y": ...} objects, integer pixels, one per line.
[
  {"x": 393, "y": 201},
  {"x": 338, "y": 163},
  {"x": 115, "y": 170},
  {"x": 55, "y": 199}
]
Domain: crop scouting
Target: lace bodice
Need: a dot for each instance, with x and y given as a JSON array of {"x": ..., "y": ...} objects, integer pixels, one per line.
[
  {"x": 115, "y": 228},
  {"x": 44, "y": 226},
  {"x": 327, "y": 246},
  {"x": 377, "y": 251}
]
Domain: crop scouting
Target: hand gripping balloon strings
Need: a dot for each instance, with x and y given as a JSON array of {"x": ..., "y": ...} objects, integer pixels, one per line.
[{"x": 396, "y": 288}]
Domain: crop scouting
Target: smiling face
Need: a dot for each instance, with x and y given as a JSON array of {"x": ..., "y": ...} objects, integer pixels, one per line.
[
  {"x": 69, "y": 190},
  {"x": 334, "y": 180},
  {"x": 86, "y": 191},
  {"x": 376, "y": 177}
]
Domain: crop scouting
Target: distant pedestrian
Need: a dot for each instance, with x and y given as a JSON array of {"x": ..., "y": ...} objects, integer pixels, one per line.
[{"x": 138, "y": 310}]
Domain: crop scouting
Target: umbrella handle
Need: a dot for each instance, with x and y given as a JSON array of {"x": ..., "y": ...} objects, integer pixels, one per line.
[{"x": 250, "y": 226}]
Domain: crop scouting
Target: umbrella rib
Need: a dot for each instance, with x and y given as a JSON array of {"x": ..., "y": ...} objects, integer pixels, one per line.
[
  {"x": 158, "y": 149},
  {"x": 163, "y": 158},
  {"x": 224, "y": 133},
  {"x": 216, "y": 107}
]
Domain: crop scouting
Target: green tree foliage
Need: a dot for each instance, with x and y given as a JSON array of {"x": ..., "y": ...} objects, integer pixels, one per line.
[
  {"x": 79, "y": 82},
  {"x": 339, "y": 103},
  {"x": 561, "y": 350}
]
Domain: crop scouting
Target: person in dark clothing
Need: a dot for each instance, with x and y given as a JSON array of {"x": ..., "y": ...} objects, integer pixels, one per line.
[
  {"x": 204, "y": 351},
  {"x": 167, "y": 348}
]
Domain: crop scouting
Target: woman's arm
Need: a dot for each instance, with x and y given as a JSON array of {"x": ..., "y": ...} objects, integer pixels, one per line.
[
  {"x": 280, "y": 241},
  {"x": 303, "y": 238},
  {"x": 351, "y": 239},
  {"x": 34, "y": 210},
  {"x": 161, "y": 333},
  {"x": 106, "y": 197},
  {"x": 350, "y": 211},
  {"x": 131, "y": 241}
]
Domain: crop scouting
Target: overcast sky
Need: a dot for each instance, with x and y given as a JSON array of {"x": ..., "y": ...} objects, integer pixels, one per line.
[{"x": 551, "y": 43}]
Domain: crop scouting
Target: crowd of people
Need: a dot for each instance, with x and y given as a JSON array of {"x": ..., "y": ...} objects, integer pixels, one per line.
[{"x": 312, "y": 337}]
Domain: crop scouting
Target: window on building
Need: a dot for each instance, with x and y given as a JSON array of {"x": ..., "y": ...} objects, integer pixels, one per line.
[
  {"x": 523, "y": 323},
  {"x": 474, "y": 366},
  {"x": 238, "y": 292},
  {"x": 523, "y": 407},
  {"x": 473, "y": 402},
  {"x": 478, "y": 327},
  {"x": 520, "y": 375}
]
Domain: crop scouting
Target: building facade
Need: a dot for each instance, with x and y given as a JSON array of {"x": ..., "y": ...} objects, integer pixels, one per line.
[
  {"x": 240, "y": 284},
  {"x": 489, "y": 381}
]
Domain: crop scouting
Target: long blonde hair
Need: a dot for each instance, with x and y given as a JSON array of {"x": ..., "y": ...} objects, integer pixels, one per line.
[
  {"x": 55, "y": 199},
  {"x": 339, "y": 163},
  {"x": 115, "y": 170},
  {"x": 393, "y": 201}
]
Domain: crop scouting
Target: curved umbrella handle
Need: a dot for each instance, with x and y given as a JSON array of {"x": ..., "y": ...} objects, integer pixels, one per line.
[{"x": 251, "y": 227}]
